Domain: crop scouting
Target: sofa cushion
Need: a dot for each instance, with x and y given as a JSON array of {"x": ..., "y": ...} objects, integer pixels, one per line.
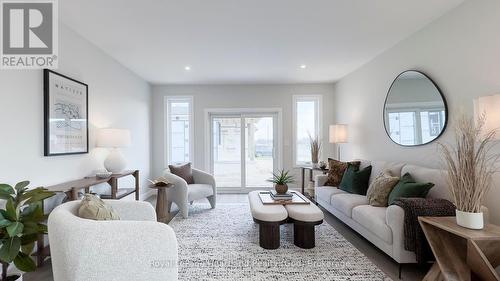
[
  {"x": 381, "y": 187},
  {"x": 408, "y": 187},
  {"x": 199, "y": 191},
  {"x": 336, "y": 171},
  {"x": 184, "y": 171},
  {"x": 436, "y": 176},
  {"x": 325, "y": 192},
  {"x": 380, "y": 166},
  {"x": 355, "y": 180},
  {"x": 373, "y": 219},
  {"x": 346, "y": 202}
]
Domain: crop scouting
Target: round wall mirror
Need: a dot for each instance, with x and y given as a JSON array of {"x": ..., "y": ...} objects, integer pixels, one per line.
[{"x": 415, "y": 111}]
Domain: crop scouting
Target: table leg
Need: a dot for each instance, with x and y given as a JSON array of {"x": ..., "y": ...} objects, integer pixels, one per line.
[
  {"x": 303, "y": 179},
  {"x": 136, "y": 176},
  {"x": 161, "y": 208}
]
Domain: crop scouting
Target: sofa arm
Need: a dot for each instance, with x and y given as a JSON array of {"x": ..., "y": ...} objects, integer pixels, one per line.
[
  {"x": 395, "y": 217},
  {"x": 133, "y": 210},
  {"x": 202, "y": 177},
  {"x": 108, "y": 250},
  {"x": 320, "y": 180}
]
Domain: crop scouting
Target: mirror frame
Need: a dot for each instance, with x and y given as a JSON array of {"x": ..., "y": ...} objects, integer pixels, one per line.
[{"x": 442, "y": 97}]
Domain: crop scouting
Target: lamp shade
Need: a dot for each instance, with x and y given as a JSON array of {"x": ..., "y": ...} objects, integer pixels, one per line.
[
  {"x": 113, "y": 138},
  {"x": 338, "y": 133},
  {"x": 490, "y": 107}
]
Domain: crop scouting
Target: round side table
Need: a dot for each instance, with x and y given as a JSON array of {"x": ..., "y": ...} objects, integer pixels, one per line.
[{"x": 162, "y": 214}]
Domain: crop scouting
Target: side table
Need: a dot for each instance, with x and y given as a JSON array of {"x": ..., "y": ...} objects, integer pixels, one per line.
[
  {"x": 162, "y": 215},
  {"x": 461, "y": 253}
]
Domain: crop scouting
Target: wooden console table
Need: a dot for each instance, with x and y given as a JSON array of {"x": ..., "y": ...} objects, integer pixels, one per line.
[
  {"x": 72, "y": 188},
  {"x": 461, "y": 254}
]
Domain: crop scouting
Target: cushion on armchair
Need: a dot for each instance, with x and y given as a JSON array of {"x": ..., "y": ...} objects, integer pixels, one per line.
[
  {"x": 93, "y": 208},
  {"x": 184, "y": 171}
]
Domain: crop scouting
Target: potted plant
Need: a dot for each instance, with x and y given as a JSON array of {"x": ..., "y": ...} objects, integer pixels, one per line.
[
  {"x": 281, "y": 181},
  {"x": 21, "y": 223},
  {"x": 470, "y": 165},
  {"x": 315, "y": 145}
]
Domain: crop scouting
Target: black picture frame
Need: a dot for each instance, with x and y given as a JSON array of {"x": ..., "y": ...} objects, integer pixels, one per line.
[{"x": 48, "y": 94}]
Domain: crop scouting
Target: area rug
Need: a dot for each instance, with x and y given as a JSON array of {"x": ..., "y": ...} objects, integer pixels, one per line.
[{"x": 223, "y": 244}]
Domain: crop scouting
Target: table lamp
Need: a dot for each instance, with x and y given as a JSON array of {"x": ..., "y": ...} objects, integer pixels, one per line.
[
  {"x": 489, "y": 107},
  {"x": 338, "y": 135},
  {"x": 114, "y": 139}
]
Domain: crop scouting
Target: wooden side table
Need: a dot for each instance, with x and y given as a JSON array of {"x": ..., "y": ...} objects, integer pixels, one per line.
[
  {"x": 461, "y": 253},
  {"x": 162, "y": 214}
]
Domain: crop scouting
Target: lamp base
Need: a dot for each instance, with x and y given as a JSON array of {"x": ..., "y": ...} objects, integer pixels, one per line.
[{"x": 115, "y": 162}]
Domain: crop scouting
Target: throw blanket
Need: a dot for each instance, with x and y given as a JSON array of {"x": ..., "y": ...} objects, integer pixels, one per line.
[{"x": 414, "y": 237}]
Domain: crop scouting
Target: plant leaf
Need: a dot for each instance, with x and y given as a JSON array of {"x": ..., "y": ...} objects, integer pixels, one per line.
[
  {"x": 10, "y": 249},
  {"x": 4, "y": 223},
  {"x": 29, "y": 238},
  {"x": 24, "y": 262},
  {"x": 5, "y": 188},
  {"x": 28, "y": 248},
  {"x": 15, "y": 228},
  {"x": 21, "y": 185},
  {"x": 11, "y": 210}
]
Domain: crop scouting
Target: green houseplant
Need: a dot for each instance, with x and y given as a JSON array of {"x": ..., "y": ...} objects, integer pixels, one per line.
[
  {"x": 281, "y": 180},
  {"x": 21, "y": 222}
]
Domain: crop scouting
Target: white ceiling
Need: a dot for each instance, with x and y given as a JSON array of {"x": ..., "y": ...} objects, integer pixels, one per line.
[{"x": 251, "y": 41}]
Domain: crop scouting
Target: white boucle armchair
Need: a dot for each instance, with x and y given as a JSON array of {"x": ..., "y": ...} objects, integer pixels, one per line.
[
  {"x": 136, "y": 247},
  {"x": 182, "y": 193}
]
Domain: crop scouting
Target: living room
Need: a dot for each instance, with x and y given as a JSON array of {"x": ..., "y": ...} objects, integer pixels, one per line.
[{"x": 250, "y": 140}]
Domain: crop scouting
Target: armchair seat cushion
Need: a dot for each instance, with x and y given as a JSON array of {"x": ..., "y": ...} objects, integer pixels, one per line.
[{"x": 199, "y": 191}]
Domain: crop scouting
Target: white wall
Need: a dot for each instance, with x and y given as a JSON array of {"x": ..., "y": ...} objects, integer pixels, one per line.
[
  {"x": 460, "y": 52},
  {"x": 117, "y": 98},
  {"x": 236, "y": 96}
]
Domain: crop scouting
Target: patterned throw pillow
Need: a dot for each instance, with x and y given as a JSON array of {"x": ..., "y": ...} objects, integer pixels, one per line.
[
  {"x": 183, "y": 171},
  {"x": 93, "y": 208},
  {"x": 381, "y": 187},
  {"x": 336, "y": 171}
]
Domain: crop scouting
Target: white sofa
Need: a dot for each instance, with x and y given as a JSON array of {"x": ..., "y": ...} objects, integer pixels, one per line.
[
  {"x": 136, "y": 247},
  {"x": 382, "y": 226},
  {"x": 183, "y": 193}
]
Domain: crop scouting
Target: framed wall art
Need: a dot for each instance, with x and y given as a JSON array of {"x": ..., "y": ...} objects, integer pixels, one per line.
[{"x": 66, "y": 127}]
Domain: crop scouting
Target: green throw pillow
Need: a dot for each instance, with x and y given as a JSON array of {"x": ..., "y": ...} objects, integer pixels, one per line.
[
  {"x": 356, "y": 181},
  {"x": 408, "y": 188}
]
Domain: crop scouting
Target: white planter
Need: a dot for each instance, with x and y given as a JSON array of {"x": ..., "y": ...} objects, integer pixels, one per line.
[{"x": 470, "y": 220}]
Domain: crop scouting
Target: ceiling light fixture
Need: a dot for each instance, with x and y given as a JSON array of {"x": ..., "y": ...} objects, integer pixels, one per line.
[
  {"x": 303, "y": 66},
  {"x": 187, "y": 67}
]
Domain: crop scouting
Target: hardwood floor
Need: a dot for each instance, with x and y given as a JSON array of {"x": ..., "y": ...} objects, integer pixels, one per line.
[{"x": 410, "y": 272}]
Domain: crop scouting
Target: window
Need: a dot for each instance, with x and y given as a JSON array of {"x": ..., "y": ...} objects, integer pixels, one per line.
[
  {"x": 306, "y": 122},
  {"x": 179, "y": 129},
  {"x": 413, "y": 125}
]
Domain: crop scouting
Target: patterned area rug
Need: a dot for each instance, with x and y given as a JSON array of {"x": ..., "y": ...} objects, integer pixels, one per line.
[{"x": 223, "y": 244}]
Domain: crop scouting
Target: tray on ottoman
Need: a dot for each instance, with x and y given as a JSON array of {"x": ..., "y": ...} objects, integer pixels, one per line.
[{"x": 297, "y": 199}]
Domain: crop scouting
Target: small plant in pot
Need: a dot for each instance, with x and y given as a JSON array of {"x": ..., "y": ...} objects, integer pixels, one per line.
[
  {"x": 470, "y": 165},
  {"x": 281, "y": 180},
  {"x": 21, "y": 223},
  {"x": 315, "y": 145}
]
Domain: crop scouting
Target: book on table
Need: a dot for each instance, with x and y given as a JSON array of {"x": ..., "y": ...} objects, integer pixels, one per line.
[{"x": 281, "y": 196}]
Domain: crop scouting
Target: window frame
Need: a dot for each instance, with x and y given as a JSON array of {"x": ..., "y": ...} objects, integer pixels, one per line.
[
  {"x": 167, "y": 126},
  {"x": 318, "y": 123}
]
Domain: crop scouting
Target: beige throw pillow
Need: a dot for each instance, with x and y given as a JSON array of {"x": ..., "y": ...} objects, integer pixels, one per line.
[
  {"x": 93, "y": 208},
  {"x": 381, "y": 187}
]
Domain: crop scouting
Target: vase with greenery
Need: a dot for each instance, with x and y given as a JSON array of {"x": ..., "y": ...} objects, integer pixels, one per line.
[
  {"x": 21, "y": 223},
  {"x": 470, "y": 164},
  {"x": 281, "y": 180},
  {"x": 315, "y": 145}
]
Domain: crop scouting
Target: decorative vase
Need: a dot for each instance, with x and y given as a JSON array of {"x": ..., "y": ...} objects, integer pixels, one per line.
[
  {"x": 281, "y": 188},
  {"x": 470, "y": 220}
]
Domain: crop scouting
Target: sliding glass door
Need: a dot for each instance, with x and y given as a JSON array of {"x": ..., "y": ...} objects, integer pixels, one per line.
[{"x": 244, "y": 153}]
